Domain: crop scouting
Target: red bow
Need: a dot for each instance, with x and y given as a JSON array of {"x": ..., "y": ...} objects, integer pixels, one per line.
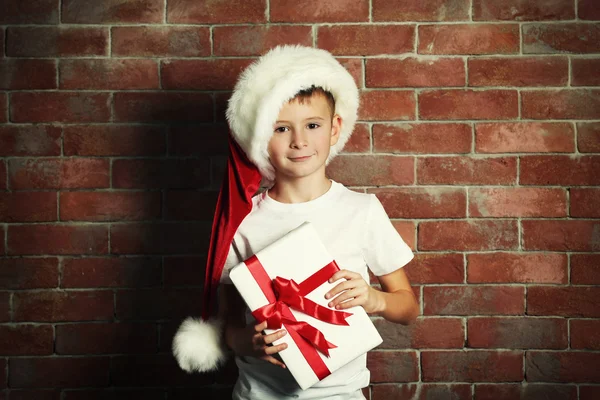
[{"x": 289, "y": 294}]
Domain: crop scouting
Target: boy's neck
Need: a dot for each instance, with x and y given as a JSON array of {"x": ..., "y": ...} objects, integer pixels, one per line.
[{"x": 299, "y": 190}]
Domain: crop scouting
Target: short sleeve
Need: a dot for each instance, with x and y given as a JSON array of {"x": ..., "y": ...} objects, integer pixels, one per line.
[
  {"x": 384, "y": 250},
  {"x": 232, "y": 260}
]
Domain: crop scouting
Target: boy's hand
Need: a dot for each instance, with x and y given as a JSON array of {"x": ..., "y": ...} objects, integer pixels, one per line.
[
  {"x": 354, "y": 292},
  {"x": 258, "y": 345}
]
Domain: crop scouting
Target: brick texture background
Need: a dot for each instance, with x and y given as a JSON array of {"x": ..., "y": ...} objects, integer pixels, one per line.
[{"x": 479, "y": 130}]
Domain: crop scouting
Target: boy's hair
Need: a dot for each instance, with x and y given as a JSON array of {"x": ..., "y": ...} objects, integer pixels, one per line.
[{"x": 305, "y": 95}]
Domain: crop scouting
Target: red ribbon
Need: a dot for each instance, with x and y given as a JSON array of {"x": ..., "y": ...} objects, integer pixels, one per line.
[{"x": 285, "y": 293}]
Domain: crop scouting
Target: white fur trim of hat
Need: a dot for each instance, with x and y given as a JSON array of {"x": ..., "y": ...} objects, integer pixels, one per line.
[
  {"x": 197, "y": 345},
  {"x": 275, "y": 78}
]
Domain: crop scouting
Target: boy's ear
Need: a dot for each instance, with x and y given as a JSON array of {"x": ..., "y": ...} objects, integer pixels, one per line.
[{"x": 336, "y": 127}]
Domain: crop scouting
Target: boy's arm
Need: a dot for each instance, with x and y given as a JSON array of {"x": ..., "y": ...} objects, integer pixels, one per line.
[{"x": 397, "y": 302}]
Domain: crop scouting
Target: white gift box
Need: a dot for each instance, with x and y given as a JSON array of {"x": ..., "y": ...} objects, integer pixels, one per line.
[{"x": 298, "y": 255}]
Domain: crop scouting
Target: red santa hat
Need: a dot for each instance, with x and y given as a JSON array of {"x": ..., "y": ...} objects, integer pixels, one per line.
[{"x": 259, "y": 94}]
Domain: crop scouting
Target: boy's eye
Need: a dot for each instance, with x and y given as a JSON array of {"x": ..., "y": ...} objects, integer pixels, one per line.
[
  {"x": 280, "y": 129},
  {"x": 313, "y": 126}
]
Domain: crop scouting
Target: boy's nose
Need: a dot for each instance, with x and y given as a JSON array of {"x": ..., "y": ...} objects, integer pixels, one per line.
[{"x": 298, "y": 139}]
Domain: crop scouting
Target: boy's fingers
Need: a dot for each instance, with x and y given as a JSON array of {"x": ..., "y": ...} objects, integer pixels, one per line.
[
  {"x": 260, "y": 327},
  {"x": 275, "y": 361},
  {"x": 274, "y": 336},
  {"x": 275, "y": 349}
]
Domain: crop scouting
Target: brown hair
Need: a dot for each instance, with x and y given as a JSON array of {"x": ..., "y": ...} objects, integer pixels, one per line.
[{"x": 306, "y": 94}]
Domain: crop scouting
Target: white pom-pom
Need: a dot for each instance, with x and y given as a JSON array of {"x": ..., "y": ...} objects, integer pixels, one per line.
[{"x": 197, "y": 345}]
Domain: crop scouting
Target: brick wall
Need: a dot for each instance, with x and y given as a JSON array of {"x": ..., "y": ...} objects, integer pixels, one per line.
[{"x": 479, "y": 130}]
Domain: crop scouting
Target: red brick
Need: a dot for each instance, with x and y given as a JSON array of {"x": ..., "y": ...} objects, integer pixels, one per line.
[
  {"x": 588, "y": 137},
  {"x": 414, "y": 10},
  {"x": 415, "y": 72},
  {"x": 585, "y": 71},
  {"x": 436, "y": 268},
  {"x": 509, "y": 391},
  {"x": 57, "y": 239},
  {"x": 561, "y": 38},
  {"x": 27, "y": 206},
  {"x": 215, "y": 74},
  {"x": 589, "y": 392},
  {"x": 522, "y": 10},
  {"x": 423, "y": 138},
  {"x": 407, "y": 230},
  {"x": 56, "y": 41},
  {"x": 163, "y": 106},
  {"x": 468, "y": 235},
  {"x": 106, "y": 338},
  {"x": 108, "y": 74},
  {"x": 560, "y": 170},
  {"x": 118, "y": 394},
  {"x": 205, "y": 140},
  {"x": 422, "y": 391},
  {"x": 161, "y": 41},
  {"x": 157, "y": 303},
  {"x": 561, "y": 104},
  {"x": 3, "y": 107},
  {"x": 470, "y": 300},
  {"x": 585, "y": 202},
  {"x": 160, "y": 238},
  {"x": 185, "y": 270},
  {"x": 257, "y": 39},
  {"x": 517, "y": 333},
  {"x": 34, "y": 394},
  {"x": 467, "y": 170},
  {"x": 436, "y": 333},
  {"x": 27, "y": 74},
  {"x": 2, "y": 42},
  {"x": 569, "y": 366},
  {"x": 314, "y": 11},
  {"x": 372, "y": 170},
  {"x": 358, "y": 39},
  {"x": 69, "y": 372},
  {"x": 59, "y": 173},
  {"x": 522, "y": 71},
  {"x": 561, "y": 235},
  {"x": 29, "y": 12},
  {"x": 110, "y": 206},
  {"x": 469, "y": 39},
  {"x": 30, "y": 140},
  {"x": 525, "y": 137},
  {"x": 378, "y": 105},
  {"x": 211, "y": 12},
  {"x": 517, "y": 268},
  {"x": 415, "y": 203},
  {"x": 396, "y": 366},
  {"x": 468, "y": 104},
  {"x": 190, "y": 205},
  {"x": 517, "y": 202},
  {"x": 585, "y": 269},
  {"x": 25, "y": 340},
  {"x": 354, "y": 67},
  {"x": 472, "y": 366},
  {"x": 29, "y": 273},
  {"x": 55, "y": 306},
  {"x": 588, "y": 10},
  {"x": 60, "y": 107},
  {"x": 585, "y": 334},
  {"x": 114, "y": 140},
  {"x": 563, "y": 301},
  {"x": 5, "y": 310},
  {"x": 360, "y": 141},
  {"x": 91, "y": 272},
  {"x": 151, "y": 173},
  {"x": 112, "y": 11}
]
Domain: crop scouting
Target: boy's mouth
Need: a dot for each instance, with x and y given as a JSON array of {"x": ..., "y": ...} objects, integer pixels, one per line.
[{"x": 299, "y": 159}]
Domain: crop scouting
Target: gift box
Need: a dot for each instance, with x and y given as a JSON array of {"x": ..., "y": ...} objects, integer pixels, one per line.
[{"x": 286, "y": 283}]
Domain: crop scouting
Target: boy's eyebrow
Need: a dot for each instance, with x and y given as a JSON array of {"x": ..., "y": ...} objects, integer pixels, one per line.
[{"x": 321, "y": 118}]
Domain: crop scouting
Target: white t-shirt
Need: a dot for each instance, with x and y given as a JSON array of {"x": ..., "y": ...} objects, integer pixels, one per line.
[{"x": 357, "y": 232}]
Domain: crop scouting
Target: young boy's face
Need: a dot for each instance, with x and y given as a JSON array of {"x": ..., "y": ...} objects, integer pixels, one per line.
[{"x": 302, "y": 137}]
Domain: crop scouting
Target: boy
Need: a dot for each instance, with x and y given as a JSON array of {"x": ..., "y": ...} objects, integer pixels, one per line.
[{"x": 295, "y": 129}]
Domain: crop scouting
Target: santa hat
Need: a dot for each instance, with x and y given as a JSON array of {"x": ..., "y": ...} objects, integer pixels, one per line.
[{"x": 261, "y": 91}]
